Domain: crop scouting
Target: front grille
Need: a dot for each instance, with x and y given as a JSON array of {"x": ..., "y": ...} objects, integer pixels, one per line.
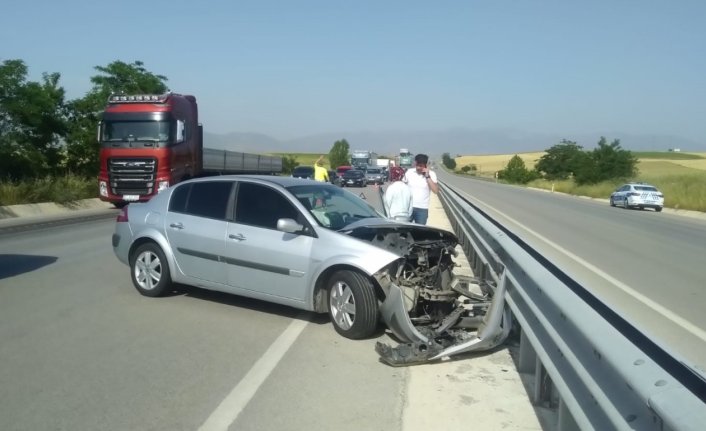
[{"x": 132, "y": 176}]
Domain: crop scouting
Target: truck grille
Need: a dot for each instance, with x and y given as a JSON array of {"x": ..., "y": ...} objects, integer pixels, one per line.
[{"x": 132, "y": 176}]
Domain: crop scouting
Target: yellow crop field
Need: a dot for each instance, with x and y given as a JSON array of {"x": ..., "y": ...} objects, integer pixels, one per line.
[{"x": 487, "y": 165}]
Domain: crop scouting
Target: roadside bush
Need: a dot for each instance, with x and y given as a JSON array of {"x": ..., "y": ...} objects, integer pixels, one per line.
[{"x": 62, "y": 190}]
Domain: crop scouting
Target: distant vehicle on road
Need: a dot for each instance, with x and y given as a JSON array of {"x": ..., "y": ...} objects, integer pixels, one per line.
[
  {"x": 638, "y": 195},
  {"x": 354, "y": 177},
  {"x": 303, "y": 172},
  {"x": 374, "y": 176},
  {"x": 334, "y": 178},
  {"x": 342, "y": 169}
]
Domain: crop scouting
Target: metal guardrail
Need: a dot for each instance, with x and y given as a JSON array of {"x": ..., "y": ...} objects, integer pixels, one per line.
[{"x": 598, "y": 370}]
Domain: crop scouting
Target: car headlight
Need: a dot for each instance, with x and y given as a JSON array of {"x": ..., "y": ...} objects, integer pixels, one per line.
[
  {"x": 103, "y": 188},
  {"x": 162, "y": 185}
]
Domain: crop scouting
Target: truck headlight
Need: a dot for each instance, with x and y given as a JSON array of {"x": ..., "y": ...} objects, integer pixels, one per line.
[
  {"x": 162, "y": 185},
  {"x": 103, "y": 188}
]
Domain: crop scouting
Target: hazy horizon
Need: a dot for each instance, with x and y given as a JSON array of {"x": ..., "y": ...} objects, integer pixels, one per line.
[{"x": 292, "y": 70}]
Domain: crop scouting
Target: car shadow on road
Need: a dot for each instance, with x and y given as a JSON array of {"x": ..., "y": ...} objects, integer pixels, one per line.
[
  {"x": 16, "y": 264},
  {"x": 248, "y": 303}
]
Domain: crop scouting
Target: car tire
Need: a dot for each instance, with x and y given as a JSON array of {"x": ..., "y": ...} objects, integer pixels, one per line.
[
  {"x": 352, "y": 304},
  {"x": 658, "y": 209},
  {"x": 150, "y": 271},
  {"x": 625, "y": 204},
  {"x": 612, "y": 202}
]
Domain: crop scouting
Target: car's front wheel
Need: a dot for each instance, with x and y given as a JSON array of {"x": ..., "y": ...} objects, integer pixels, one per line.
[
  {"x": 658, "y": 209},
  {"x": 612, "y": 202},
  {"x": 150, "y": 271},
  {"x": 352, "y": 304}
]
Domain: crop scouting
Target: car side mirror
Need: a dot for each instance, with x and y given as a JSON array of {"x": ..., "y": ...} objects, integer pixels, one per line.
[{"x": 289, "y": 225}]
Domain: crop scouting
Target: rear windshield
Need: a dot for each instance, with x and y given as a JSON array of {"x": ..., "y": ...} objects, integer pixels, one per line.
[
  {"x": 373, "y": 171},
  {"x": 303, "y": 170},
  {"x": 353, "y": 174},
  {"x": 646, "y": 188}
]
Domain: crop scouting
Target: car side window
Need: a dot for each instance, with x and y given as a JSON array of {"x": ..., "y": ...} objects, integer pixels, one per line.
[
  {"x": 262, "y": 206},
  {"x": 177, "y": 202},
  {"x": 202, "y": 199}
]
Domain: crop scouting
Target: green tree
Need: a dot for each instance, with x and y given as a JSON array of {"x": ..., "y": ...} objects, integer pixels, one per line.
[
  {"x": 517, "y": 172},
  {"x": 84, "y": 114},
  {"x": 339, "y": 155},
  {"x": 606, "y": 162},
  {"x": 448, "y": 161},
  {"x": 561, "y": 161},
  {"x": 32, "y": 123},
  {"x": 289, "y": 162}
]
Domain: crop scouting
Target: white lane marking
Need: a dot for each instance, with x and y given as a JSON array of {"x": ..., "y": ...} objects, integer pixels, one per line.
[
  {"x": 678, "y": 320},
  {"x": 227, "y": 412}
]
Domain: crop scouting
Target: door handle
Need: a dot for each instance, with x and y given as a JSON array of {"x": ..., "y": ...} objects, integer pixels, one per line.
[
  {"x": 177, "y": 225},
  {"x": 237, "y": 237}
]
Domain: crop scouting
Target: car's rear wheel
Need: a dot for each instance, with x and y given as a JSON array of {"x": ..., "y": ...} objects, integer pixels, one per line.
[
  {"x": 150, "y": 271},
  {"x": 658, "y": 209},
  {"x": 353, "y": 307},
  {"x": 625, "y": 204}
]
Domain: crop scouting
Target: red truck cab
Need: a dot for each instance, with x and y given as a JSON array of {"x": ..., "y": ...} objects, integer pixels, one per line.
[{"x": 147, "y": 143}]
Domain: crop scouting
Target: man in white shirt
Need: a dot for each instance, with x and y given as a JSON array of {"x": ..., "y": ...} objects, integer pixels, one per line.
[
  {"x": 398, "y": 197},
  {"x": 422, "y": 181}
]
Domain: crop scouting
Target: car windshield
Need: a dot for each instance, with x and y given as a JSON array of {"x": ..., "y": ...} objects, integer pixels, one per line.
[
  {"x": 373, "y": 171},
  {"x": 333, "y": 207},
  {"x": 303, "y": 170},
  {"x": 353, "y": 174},
  {"x": 151, "y": 131}
]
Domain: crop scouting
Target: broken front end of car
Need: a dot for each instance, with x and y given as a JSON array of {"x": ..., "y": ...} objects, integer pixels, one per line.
[{"x": 431, "y": 311}]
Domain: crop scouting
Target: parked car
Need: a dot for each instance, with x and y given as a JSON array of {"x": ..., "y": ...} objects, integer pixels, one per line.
[
  {"x": 334, "y": 178},
  {"x": 354, "y": 177},
  {"x": 303, "y": 172},
  {"x": 374, "y": 176},
  {"x": 640, "y": 195},
  {"x": 304, "y": 244},
  {"x": 342, "y": 169}
]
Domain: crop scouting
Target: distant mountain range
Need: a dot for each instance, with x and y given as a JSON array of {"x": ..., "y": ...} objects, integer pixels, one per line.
[{"x": 452, "y": 141}]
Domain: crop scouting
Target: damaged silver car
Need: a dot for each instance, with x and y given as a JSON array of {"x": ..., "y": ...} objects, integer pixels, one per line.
[{"x": 312, "y": 246}]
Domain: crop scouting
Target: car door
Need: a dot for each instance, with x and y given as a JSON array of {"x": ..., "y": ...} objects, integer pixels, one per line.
[
  {"x": 196, "y": 228},
  {"x": 261, "y": 259},
  {"x": 624, "y": 191}
]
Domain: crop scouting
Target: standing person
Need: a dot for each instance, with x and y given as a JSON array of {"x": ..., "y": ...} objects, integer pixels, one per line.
[
  {"x": 421, "y": 181},
  {"x": 398, "y": 197},
  {"x": 320, "y": 173}
]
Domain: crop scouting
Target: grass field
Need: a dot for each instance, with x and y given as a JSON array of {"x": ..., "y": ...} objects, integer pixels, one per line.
[
  {"x": 307, "y": 159},
  {"x": 680, "y": 176}
]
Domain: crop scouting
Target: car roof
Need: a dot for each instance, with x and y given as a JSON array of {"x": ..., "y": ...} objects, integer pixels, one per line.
[
  {"x": 284, "y": 181},
  {"x": 639, "y": 184}
]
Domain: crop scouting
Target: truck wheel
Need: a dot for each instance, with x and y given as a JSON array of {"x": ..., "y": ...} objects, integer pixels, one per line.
[
  {"x": 353, "y": 307},
  {"x": 119, "y": 205},
  {"x": 150, "y": 270}
]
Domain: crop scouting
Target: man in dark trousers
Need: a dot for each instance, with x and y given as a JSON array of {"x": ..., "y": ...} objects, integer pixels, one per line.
[{"x": 422, "y": 181}]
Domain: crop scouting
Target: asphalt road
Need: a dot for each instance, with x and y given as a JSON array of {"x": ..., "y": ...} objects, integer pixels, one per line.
[
  {"x": 649, "y": 266},
  {"x": 82, "y": 350}
]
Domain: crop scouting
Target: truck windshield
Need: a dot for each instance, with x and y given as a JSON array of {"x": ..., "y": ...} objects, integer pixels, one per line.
[{"x": 151, "y": 131}]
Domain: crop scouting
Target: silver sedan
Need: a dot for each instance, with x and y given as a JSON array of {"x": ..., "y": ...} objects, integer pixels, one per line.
[{"x": 300, "y": 243}]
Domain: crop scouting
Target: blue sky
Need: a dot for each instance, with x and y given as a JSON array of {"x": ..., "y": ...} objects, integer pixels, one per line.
[{"x": 295, "y": 68}]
